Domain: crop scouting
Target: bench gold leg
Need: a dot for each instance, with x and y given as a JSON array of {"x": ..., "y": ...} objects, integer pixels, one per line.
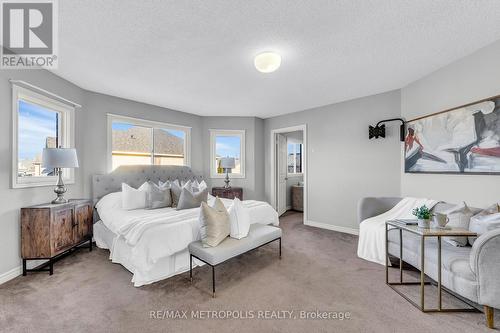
[{"x": 489, "y": 312}]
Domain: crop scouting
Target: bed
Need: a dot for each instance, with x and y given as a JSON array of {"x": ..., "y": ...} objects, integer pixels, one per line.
[{"x": 152, "y": 244}]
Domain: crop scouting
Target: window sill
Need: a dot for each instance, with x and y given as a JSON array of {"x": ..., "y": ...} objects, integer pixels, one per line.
[
  {"x": 230, "y": 176},
  {"x": 51, "y": 183}
]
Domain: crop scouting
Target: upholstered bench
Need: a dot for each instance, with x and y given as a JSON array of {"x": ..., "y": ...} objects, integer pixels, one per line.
[{"x": 259, "y": 235}]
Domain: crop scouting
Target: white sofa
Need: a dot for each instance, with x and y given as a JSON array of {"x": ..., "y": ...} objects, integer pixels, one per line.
[{"x": 472, "y": 272}]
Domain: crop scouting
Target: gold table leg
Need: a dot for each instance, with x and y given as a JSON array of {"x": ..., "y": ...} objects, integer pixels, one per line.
[
  {"x": 422, "y": 273},
  {"x": 440, "y": 293},
  {"x": 422, "y": 281}
]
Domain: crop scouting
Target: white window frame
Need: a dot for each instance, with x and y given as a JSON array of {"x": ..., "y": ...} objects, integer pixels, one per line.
[
  {"x": 67, "y": 129},
  {"x": 224, "y": 132},
  {"x": 150, "y": 124},
  {"x": 295, "y": 174}
]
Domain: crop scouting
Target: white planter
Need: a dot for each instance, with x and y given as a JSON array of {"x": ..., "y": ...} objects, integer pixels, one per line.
[{"x": 424, "y": 223}]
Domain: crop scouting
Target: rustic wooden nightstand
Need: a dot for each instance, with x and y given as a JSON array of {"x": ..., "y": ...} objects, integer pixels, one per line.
[
  {"x": 50, "y": 231},
  {"x": 228, "y": 193}
]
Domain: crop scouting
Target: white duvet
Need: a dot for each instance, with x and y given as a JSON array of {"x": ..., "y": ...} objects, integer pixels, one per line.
[
  {"x": 371, "y": 242},
  {"x": 158, "y": 233}
]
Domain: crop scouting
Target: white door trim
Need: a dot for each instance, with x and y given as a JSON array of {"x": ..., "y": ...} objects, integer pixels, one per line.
[{"x": 302, "y": 128}]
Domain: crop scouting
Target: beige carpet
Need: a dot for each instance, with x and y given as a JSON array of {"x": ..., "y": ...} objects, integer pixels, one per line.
[{"x": 319, "y": 271}]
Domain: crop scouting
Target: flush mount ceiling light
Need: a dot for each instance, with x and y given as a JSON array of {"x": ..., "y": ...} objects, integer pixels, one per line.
[{"x": 267, "y": 62}]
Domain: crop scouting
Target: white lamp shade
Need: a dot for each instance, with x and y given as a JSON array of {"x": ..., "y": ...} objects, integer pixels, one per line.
[
  {"x": 227, "y": 163},
  {"x": 59, "y": 158}
]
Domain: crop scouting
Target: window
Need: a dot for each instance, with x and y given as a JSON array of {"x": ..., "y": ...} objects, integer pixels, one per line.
[
  {"x": 38, "y": 122},
  {"x": 142, "y": 142},
  {"x": 227, "y": 143},
  {"x": 294, "y": 158}
]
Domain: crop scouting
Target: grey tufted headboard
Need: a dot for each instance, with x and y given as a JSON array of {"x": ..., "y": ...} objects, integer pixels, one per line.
[{"x": 136, "y": 175}]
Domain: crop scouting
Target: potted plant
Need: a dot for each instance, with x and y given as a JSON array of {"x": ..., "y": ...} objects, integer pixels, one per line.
[{"x": 423, "y": 215}]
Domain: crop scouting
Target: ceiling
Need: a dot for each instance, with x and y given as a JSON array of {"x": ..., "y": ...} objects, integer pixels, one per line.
[{"x": 197, "y": 56}]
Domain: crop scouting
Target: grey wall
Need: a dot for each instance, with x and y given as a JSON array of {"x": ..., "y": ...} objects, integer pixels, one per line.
[
  {"x": 94, "y": 124},
  {"x": 253, "y": 183},
  {"x": 471, "y": 78},
  {"x": 11, "y": 200},
  {"x": 342, "y": 164}
]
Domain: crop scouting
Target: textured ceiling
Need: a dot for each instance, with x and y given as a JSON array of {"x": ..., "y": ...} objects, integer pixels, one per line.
[{"x": 197, "y": 56}]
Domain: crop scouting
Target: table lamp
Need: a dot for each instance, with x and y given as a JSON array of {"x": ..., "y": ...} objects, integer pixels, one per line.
[
  {"x": 227, "y": 163},
  {"x": 57, "y": 159}
]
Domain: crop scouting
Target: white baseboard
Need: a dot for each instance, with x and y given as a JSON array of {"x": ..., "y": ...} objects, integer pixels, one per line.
[
  {"x": 288, "y": 208},
  {"x": 9, "y": 275},
  {"x": 346, "y": 230}
]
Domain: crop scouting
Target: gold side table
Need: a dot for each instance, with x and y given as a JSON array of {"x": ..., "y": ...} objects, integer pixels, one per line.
[{"x": 423, "y": 233}]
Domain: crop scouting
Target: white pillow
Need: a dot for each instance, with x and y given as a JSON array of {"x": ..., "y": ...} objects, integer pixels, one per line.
[
  {"x": 459, "y": 218},
  {"x": 202, "y": 185},
  {"x": 164, "y": 185},
  {"x": 198, "y": 186},
  {"x": 239, "y": 217},
  {"x": 110, "y": 201},
  {"x": 486, "y": 220},
  {"x": 134, "y": 198}
]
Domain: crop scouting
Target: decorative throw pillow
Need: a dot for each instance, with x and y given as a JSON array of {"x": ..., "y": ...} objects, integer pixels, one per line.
[
  {"x": 198, "y": 186},
  {"x": 239, "y": 217},
  {"x": 167, "y": 184},
  {"x": 195, "y": 186},
  {"x": 157, "y": 197},
  {"x": 176, "y": 189},
  {"x": 215, "y": 225},
  {"x": 459, "y": 218},
  {"x": 202, "y": 185},
  {"x": 189, "y": 199},
  {"x": 486, "y": 220},
  {"x": 134, "y": 198}
]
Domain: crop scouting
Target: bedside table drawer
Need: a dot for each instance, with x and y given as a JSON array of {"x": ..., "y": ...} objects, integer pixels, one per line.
[{"x": 228, "y": 193}]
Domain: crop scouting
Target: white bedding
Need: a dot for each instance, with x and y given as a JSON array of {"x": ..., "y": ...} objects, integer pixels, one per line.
[
  {"x": 154, "y": 235},
  {"x": 371, "y": 242}
]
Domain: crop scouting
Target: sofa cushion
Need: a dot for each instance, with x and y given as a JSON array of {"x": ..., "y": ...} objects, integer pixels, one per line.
[
  {"x": 258, "y": 235},
  {"x": 459, "y": 217},
  {"x": 449, "y": 253},
  {"x": 457, "y": 274},
  {"x": 484, "y": 221}
]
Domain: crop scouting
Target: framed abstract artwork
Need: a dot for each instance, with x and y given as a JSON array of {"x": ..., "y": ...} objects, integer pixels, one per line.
[{"x": 462, "y": 140}]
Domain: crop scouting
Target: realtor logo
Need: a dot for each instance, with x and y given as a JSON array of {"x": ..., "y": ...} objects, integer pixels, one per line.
[{"x": 29, "y": 34}]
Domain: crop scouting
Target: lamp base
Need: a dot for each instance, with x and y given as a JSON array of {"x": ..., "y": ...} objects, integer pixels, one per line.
[
  {"x": 59, "y": 200},
  {"x": 60, "y": 189},
  {"x": 227, "y": 181}
]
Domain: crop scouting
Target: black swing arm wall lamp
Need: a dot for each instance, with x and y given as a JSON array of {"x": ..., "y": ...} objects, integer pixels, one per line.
[{"x": 379, "y": 130}]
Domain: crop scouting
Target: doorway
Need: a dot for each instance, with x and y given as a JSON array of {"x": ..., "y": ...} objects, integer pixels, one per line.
[{"x": 289, "y": 190}]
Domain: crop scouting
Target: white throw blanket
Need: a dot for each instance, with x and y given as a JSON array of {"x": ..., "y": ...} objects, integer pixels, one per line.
[
  {"x": 133, "y": 229},
  {"x": 371, "y": 243}
]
